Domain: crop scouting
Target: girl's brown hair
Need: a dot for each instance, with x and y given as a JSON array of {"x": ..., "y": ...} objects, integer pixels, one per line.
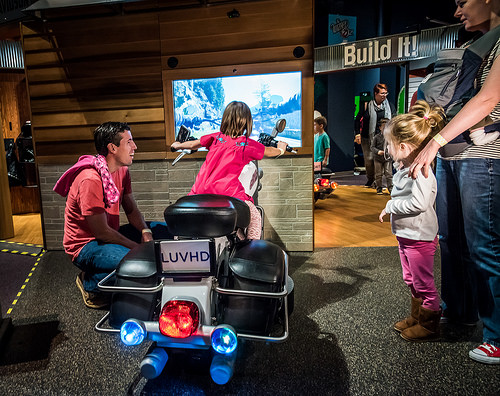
[
  {"x": 418, "y": 126},
  {"x": 237, "y": 119}
]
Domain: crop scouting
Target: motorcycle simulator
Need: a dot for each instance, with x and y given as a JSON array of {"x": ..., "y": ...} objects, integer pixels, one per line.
[
  {"x": 207, "y": 289},
  {"x": 323, "y": 184}
]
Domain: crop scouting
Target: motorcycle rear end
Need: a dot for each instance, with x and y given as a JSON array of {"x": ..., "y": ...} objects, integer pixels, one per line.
[
  {"x": 323, "y": 185},
  {"x": 206, "y": 290}
]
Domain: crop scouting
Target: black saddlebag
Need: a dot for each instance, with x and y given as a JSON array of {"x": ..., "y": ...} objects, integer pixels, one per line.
[
  {"x": 256, "y": 265},
  {"x": 137, "y": 269}
]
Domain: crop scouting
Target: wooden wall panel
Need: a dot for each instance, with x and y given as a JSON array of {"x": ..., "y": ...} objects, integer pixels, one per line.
[
  {"x": 89, "y": 65},
  {"x": 13, "y": 103},
  {"x": 150, "y": 130},
  {"x": 236, "y": 40},
  {"x": 239, "y": 56},
  {"x": 87, "y": 103},
  {"x": 68, "y": 148},
  {"x": 84, "y": 72},
  {"x": 206, "y": 43},
  {"x": 96, "y": 117}
]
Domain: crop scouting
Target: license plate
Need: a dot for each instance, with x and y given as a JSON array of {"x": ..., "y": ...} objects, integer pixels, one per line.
[{"x": 187, "y": 256}]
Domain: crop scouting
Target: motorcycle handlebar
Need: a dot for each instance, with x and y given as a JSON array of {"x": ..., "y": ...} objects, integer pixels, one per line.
[{"x": 269, "y": 141}]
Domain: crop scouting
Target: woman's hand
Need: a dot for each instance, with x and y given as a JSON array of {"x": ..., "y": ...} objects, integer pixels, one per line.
[{"x": 424, "y": 159}]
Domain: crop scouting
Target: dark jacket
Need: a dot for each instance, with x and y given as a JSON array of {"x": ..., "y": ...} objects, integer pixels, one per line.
[
  {"x": 362, "y": 121},
  {"x": 378, "y": 144}
]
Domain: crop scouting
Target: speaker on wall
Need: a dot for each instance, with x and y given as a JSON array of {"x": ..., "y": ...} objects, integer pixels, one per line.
[
  {"x": 299, "y": 52},
  {"x": 172, "y": 62}
]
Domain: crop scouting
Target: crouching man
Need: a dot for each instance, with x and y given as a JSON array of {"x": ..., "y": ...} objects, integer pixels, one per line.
[{"x": 95, "y": 187}]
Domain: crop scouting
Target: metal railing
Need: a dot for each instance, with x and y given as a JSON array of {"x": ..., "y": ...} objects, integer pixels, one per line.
[{"x": 13, "y": 5}]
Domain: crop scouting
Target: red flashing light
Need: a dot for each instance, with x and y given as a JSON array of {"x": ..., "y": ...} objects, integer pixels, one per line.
[
  {"x": 179, "y": 319},
  {"x": 324, "y": 182}
]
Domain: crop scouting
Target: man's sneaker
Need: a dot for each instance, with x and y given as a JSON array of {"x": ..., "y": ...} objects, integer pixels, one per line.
[
  {"x": 369, "y": 184},
  {"x": 379, "y": 191},
  {"x": 91, "y": 300},
  {"x": 486, "y": 353}
]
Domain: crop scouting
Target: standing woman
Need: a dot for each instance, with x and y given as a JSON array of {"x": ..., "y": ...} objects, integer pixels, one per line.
[
  {"x": 377, "y": 108},
  {"x": 468, "y": 198}
]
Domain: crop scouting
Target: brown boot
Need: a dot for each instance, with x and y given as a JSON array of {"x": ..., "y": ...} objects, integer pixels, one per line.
[
  {"x": 411, "y": 320},
  {"x": 427, "y": 328}
]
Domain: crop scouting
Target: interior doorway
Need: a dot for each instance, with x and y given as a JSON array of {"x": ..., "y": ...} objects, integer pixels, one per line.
[{"x": 20, "y": 158}]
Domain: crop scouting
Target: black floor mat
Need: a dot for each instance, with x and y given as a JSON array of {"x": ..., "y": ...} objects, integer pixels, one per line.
[
  {"x": 15, "y": 274},
  {"x": 29, "y": 344},
  {"x": 24, "y": 249}
]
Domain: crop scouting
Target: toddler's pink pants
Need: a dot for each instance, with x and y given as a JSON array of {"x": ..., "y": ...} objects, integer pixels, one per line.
[{"x": 417, "y": 261}]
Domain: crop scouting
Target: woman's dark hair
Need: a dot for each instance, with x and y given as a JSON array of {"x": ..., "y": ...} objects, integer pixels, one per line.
[
  {"x": 109, "y": 132},
  {"x": 378, "y": 87}
]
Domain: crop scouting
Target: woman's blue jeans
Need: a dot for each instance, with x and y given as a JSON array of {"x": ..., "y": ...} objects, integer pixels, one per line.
[
  {"x": 97, "y": 259},
  {"x": 468, "y": 209}
]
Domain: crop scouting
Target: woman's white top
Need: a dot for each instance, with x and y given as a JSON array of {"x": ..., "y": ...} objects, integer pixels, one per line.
[{"x": 412, "y": 206}]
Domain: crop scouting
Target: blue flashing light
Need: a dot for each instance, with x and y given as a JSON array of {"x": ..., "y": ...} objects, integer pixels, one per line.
[
  {"x": 132, "y": 332},
  {"x": 224, "y": 340}
]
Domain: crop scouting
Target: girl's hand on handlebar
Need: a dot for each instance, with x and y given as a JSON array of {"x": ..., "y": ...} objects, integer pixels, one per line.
[
  {"x": 282, "y": 145},
  {"x": 176, "y": 145},
  {"x": 188, "y": 145}
]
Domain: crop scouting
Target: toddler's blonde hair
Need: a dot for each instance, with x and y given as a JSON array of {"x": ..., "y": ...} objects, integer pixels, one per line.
[
  {"x": 236, "y": 119},
  {"x": 418, "y": 126}
]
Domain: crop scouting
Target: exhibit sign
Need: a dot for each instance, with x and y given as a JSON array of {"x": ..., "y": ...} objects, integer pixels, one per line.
[{"x": 341, "y": 29}]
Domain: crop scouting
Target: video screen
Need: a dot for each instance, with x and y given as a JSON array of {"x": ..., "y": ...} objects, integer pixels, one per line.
[{"x": 200, "y": 103}]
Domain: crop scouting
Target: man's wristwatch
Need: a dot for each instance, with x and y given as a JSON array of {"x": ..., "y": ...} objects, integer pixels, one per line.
[{"x": 146, "y": 230}]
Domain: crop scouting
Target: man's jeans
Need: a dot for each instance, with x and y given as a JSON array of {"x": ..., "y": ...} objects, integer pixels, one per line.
[
  {"x": 97, "y": 259},
  {"x": 468, "y": 209}
]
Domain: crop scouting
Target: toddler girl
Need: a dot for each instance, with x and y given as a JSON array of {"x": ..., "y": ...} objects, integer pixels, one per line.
[
  {"x": 413, "y": 219},
  {"x": 228, "y": 152}
]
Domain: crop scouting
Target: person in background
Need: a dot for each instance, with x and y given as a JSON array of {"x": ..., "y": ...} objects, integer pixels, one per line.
[
  {"x": 413, "y": 219},
  {"x": 468, "y": 200},
  {"x": 228, "y": 152},
  {"x": 95, "y": 187},
  {"x": 366, "y": 124},
  {"x": 381, "y": 160},
  {"x": 321, "y": 143}
]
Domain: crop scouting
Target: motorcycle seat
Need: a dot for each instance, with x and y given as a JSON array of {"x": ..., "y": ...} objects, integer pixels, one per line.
[{"x": 206, "y": 216}]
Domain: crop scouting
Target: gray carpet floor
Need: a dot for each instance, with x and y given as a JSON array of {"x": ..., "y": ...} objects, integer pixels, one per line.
[{"x": 341, "y": 341}]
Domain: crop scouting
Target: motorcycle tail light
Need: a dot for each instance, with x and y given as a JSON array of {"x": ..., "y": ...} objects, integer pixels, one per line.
[
  {"x": 334, "y": 185},
  {"x": 324, "y": 182},
  {"x": 316, "y": 188},
  {"x": 179, "y": 319}
]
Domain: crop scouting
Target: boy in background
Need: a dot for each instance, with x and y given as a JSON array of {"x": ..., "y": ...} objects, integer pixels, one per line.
[{"x": 321, "y": 144}]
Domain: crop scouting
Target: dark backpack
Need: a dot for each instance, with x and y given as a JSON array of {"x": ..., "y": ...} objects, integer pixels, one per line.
[{"x": 453, "y": 83}]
